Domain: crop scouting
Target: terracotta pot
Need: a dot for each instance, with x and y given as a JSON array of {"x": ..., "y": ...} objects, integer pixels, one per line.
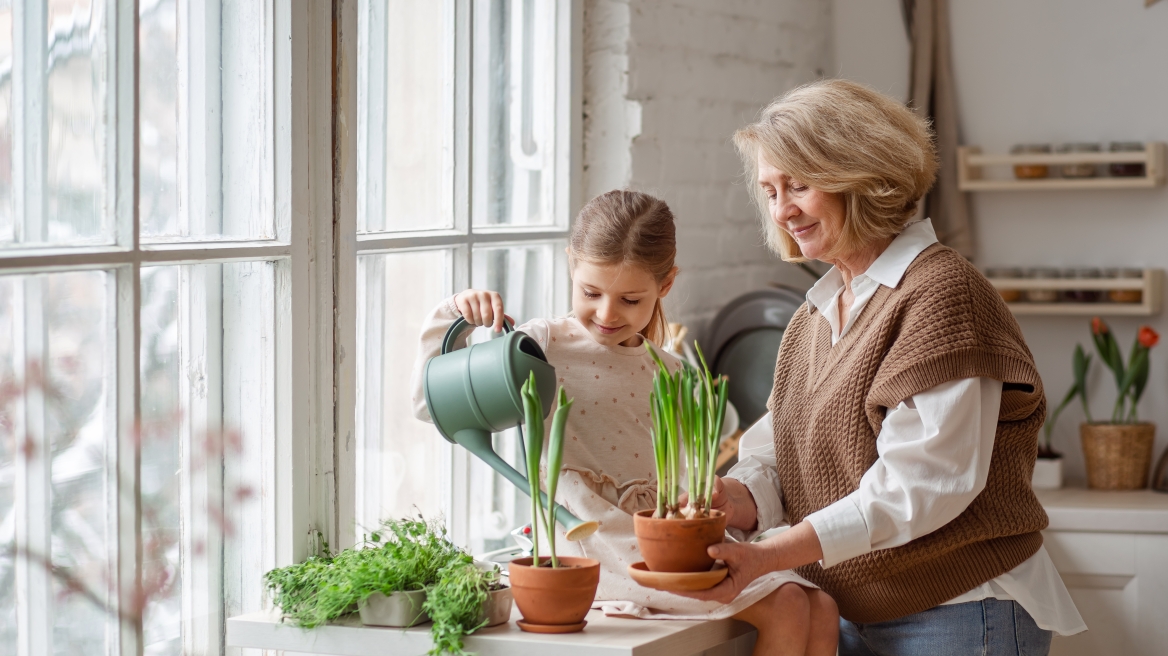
[
  {"x": 554, "y": 596},
  {"x": 678, "y": 545},
  {"x": 1117, "y": 455}
]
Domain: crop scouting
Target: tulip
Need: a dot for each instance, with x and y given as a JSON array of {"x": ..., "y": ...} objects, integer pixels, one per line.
[
  {"x": 1097, "y": 326},
  {"x": 1148, "y": 337}
]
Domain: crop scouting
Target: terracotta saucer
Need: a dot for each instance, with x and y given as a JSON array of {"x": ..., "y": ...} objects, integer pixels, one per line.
[
  {"x": 677, "y": 581},
  {"x": 551, "y": 628}
]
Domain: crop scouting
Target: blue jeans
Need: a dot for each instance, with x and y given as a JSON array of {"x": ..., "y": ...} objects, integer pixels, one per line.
[{"x": 990, "y": 627}]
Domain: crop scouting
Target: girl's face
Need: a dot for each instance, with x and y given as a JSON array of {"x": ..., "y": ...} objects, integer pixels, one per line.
[
  {"x": 813, "y": 218},
  {"x": 615, "y": 301}
]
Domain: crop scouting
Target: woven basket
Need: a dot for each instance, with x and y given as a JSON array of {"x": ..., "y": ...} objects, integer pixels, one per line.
[{"x": 1118, "y": 456}]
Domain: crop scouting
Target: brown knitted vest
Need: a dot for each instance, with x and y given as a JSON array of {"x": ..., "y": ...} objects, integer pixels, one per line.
[{"x": 943, "y": 322}]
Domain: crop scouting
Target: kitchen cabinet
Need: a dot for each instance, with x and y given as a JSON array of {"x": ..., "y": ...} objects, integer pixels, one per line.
[{"x": 1111, "y": 549}]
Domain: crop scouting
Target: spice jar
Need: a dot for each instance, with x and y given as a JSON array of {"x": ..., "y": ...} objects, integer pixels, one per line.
[
  {"x": 1038, "y": 294},
  {"x": 1127, "y": 169},
  {"x": 1082, "y": 295},
  {"x": 1125, "y": 295},
  {"x": 1083, "y": 170},
  {"x": 1030, "y": 171},
  {"x": 999, "y": 273}
]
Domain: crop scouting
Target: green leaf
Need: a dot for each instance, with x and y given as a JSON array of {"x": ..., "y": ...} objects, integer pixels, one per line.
[{"x": 555, "y": 460}]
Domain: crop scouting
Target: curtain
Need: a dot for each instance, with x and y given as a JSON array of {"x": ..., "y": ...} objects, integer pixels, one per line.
[{"x": 932, "y": 95}]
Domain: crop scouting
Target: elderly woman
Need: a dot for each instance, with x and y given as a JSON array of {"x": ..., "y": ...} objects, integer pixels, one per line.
[{"x": 906, "y": 404}]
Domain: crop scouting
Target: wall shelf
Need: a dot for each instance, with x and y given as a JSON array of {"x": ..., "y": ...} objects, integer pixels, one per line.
[
  {"x": 970, "y": 163},
  {"x": 1150, "y": 284}
]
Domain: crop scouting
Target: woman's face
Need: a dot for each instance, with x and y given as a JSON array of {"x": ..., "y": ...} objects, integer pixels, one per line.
[
  {"x": 813, "y": 218},
  {"x": 615, "y": 302}
]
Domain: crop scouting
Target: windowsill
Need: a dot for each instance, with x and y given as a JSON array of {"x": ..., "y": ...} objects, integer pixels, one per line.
[{"x": 607, "y": 636}]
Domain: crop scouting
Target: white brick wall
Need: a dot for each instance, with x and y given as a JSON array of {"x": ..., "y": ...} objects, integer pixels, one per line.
[{"x": 666, "y": 83}]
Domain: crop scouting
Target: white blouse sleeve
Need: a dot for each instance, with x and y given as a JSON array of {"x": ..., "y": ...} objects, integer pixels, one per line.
[
  {"x": 756, "y": 469},
  {"x": 934, "y": 454}
]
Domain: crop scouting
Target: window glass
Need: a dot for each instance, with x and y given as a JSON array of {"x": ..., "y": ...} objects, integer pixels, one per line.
[
  {"x": 406, "y": 117},
  {"x": 7, "y": 216},
  {"x": 403, "y": 465},
  {"x": 76, "y": 394},
  {"x": 78, "y": 133},
  {"x": 515, "y": 122},
  {"x": 204, "y": 103},
  {"x": 8, "y": 451}
]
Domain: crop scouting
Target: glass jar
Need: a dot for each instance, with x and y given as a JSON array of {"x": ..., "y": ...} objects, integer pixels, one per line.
[
  {"x": 1083, "y": 170},
  {"x": 1039, "y": 294},
  {"x": 1000, "y": 273},
  {"x": 1082, "y": 295},
  {"x": 1125, "y": 295},
  {"x": 1126, "y": 169},
  {"x": 1030, "y": 171}
]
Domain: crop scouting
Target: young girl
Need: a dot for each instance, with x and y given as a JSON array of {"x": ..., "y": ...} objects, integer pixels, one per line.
[{"x": 621, "y": 256}]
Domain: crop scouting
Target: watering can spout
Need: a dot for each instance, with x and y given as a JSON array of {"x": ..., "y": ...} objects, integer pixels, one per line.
[{"x": 478, "y": 442}]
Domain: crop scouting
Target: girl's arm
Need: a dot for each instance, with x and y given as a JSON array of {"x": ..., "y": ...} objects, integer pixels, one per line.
[{"x": 479, "y": 307}]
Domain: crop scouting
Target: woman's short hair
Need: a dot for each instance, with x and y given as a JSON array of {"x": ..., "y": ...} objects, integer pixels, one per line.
[{"x": 845, "y": 138}]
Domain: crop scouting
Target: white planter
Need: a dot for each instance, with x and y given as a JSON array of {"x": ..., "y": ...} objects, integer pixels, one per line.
[
  {"x": 497, "y": 609},
  {"x": 398, "y": 609},
  {"x": 1048, "y": 474}
]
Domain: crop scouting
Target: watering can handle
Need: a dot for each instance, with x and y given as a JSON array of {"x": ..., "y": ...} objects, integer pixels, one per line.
[{"x": 458, "y": 326}]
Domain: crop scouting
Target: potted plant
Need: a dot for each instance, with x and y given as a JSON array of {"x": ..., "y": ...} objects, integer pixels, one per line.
[
  {"x": 404, "y": 574},
  {"x": 1118, "y": 453},
  {"x": 555, "y": 594},
  {"x": 688, "y": 409},
  {"x": 1048, "y": 468}
]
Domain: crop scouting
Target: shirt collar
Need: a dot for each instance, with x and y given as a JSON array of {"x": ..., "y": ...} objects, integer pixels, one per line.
[{"x": 887, "y": 270}]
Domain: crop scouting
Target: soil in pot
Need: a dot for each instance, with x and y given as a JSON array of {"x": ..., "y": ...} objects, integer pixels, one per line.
[
  {"x": 399, "y": 609},
  {"x": 678, "y": 545},
  {"x": 1118, "y": 456},
  {"x": 558, "y": 597}
]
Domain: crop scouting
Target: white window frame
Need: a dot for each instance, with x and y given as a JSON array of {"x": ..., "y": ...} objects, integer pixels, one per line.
[
  {"x": 468, "y": 185},
  {"x": 296, "y": 472}
]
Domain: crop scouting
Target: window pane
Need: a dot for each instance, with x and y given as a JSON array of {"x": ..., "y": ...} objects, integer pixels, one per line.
[
  {"x": 7, "y": 221},
  {"x": 406, "y": 118},
  {"x": 7, "y": 470},
  {"x": 515, "y": 109},
  {"x": 524, "y": 275},
  {"x": 79, "y": 133},
  {"x": 402, "y": 464},
  {"x": 207, "y": 408},
  {"x": 204, "y": 136}
]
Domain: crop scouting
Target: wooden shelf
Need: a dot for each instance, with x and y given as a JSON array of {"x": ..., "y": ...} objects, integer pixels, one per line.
[
  {"x": 1150, "y": 284},
  {"x": 970, "y": 162}
]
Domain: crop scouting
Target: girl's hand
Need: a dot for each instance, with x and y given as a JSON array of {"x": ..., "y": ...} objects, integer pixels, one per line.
[{"x": 481, "y": 308}]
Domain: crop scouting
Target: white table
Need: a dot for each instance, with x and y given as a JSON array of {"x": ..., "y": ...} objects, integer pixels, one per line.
[{"x": 604, "y": 636}]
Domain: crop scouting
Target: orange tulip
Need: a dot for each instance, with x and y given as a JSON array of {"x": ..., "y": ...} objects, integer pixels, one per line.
[
  {"x": 1148, "y": 337},
  {"x": 1097, "y": 326}
]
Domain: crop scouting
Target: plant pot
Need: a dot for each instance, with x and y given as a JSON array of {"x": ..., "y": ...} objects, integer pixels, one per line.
[
  {"x": 399, "y": 609},
  {"x": 1117, "y": 455},
  {"x": 1160, "y": 476},
  {"x": 678, "y": 545},
  {"x": 1048, "y": 474},
  {"x": 556, "y": 597},
  {"x": 497, "y": 608}
]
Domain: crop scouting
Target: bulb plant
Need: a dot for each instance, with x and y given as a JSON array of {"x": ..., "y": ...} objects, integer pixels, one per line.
[
  {"x": 687, "y": 409},
  {"x": 534, "y": 438}
]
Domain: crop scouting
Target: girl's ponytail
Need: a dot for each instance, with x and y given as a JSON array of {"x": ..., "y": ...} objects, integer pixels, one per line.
[{"x": 623, "y": 226}]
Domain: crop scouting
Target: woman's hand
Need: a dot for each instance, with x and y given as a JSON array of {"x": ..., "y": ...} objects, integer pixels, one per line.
[
  {"x": 747, "y": 561},
  {"x": 481, "y": 308}
]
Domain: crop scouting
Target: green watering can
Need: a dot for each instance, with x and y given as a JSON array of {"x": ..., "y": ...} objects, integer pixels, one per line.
[{"x": 473, "y": 392}]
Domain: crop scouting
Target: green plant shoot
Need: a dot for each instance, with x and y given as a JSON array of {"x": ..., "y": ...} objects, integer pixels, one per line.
[
  {"x": 688, "y": 409},
  {"x": 533, "y": 414}
]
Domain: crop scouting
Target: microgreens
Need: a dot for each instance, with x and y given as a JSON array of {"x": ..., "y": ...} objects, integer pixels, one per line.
[
  {"x": 687, "y": 409},
  {"x": 533, "y": 420},
  {"x": 456, "y": 603}
]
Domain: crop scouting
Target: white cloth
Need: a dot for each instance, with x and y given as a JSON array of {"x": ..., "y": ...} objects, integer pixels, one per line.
[
  {"x": 933, "y": 459},
  {"x": 608, "y": 472}
]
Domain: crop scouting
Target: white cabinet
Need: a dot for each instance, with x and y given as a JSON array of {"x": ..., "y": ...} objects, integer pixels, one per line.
[{"x": 1111, "y": 549}]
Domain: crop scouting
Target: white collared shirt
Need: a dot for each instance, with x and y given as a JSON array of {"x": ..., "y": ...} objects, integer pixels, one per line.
[{"x": 933, "y": 459}]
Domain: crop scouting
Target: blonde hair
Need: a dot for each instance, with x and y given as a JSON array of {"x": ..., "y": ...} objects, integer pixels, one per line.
[
  {"x": 628, "y": 227},
  {"x": 843, "y": 138}
]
